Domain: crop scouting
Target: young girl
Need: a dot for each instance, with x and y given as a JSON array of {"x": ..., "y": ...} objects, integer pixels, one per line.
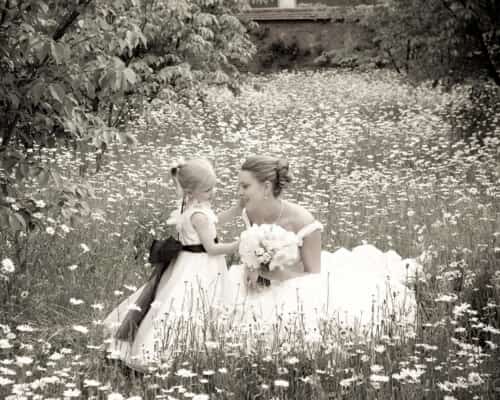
[{"x": 193, "y": 287}]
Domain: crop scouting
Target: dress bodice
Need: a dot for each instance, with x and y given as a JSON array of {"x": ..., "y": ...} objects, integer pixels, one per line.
[
  {"x": 183, "y": 224},
  {"x": 306, "y": 230}
]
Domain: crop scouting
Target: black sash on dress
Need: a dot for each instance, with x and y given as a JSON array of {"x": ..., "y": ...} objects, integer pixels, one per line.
[{"x": 162, "y": 254}]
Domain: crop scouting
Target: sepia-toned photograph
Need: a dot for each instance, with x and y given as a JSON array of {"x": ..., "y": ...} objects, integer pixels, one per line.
[{"x": 250, "y": 199}]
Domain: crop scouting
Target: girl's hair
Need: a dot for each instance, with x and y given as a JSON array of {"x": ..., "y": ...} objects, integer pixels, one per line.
[
  {"x": 266, "y": 168},
  {"x": 193, "y": 175}
]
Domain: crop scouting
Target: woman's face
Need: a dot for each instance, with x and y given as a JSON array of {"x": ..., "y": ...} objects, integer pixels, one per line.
[{"x": 252, "y": 192}]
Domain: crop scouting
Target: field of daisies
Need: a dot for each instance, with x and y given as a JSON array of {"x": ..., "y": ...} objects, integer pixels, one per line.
[{"x": 410, "y": 168}]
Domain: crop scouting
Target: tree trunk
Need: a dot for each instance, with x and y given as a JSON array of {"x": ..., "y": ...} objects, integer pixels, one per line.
[
  {"x": 490, "y": 66},
  {"x": 9, "y": 132}
]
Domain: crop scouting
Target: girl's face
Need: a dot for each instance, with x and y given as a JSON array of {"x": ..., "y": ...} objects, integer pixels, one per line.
[
  {"x": 203, "y": 195},
  {"x": 252, "y": 192}
]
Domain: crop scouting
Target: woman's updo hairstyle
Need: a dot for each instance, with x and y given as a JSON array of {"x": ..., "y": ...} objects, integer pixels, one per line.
[
  {"x": 266, "y": 168},
  {"x": 194, "y": 175}
]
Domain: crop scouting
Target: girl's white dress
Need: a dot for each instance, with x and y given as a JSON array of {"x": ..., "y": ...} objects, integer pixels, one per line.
[
  {"x": 359, "y": 290},
  {"x": 190, "y": 292}
]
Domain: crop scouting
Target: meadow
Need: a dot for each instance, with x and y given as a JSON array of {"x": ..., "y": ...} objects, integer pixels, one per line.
[{"x": 412, "y": 168}]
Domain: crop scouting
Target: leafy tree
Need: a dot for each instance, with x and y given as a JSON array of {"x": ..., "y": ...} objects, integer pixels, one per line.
[
  {"x": 72, "y": 69},
  {"x": 435, "y": 39}
]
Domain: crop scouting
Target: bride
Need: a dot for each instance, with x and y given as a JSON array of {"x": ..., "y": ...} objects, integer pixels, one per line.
[{"x": 360, "y": 289}]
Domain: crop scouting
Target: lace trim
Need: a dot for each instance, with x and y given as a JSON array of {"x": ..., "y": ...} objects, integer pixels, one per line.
[{"x": 306, "y": 230}]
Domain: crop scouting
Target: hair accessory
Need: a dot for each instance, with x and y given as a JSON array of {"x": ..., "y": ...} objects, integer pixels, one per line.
[{"x": 179, "y": 163}]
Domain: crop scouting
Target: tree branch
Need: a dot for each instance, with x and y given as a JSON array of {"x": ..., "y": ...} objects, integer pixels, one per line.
[
  {"x": 9, "y": 130},
  {"x": 63, "y": 27},
  {"x": 4, "y": 12}
]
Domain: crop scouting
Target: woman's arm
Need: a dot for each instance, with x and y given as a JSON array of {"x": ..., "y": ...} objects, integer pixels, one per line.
[
  {"x": 310, "y": 252},
  {"x": 228, "y": 215},
  {"x": 201, "y": 225}
]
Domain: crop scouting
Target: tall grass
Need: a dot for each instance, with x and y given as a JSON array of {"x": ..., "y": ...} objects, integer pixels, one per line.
[{"x": 376, "y": 161}]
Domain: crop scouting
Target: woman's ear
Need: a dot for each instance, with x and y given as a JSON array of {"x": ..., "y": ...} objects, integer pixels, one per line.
[{"x": 268, "y": 189}]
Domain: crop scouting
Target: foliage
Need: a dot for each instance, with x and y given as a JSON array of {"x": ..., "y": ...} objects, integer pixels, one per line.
[
  {"x": 73, "y": 70},
  {"x": 434, "y": 39}
]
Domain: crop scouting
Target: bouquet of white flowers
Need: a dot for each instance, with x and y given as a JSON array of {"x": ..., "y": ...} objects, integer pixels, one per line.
[{"x": 268, "y": 247}]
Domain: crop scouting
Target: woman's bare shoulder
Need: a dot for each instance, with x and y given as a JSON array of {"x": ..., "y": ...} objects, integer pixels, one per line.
[{"x": 298, "y": 216}]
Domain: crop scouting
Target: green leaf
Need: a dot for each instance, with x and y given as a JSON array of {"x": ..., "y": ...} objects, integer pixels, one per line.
[
  {"x": 36, "y": 91},
  {"x": 58, "y": 52},
  {"x": 130, "y": 75},
  {"x": 57, "y": 92},
  {"x": 16, "y": 222},
  {"x": 14, "y": 100}
]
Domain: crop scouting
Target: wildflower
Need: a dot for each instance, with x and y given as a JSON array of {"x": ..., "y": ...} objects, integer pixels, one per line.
[
  {"x": 75, "y": 302},
  {"x": 73, "y": 267},
  {"x": 347, "y": 382},
  {"x": 211, "y": 345},
  {"x": 492, "y": 345},
  {"x": 23, "y": 360},
  {"x": 5, "y": 381},
  {"x": 185, "y": 373},
  {"x": 25, "y": 328},
  {"x": 91, "y": 383},
  {"x": 56, "y": 356},
  {"x": 201, "y": 396},
  {"x": 281, "y": 383},
  {"x": 65, "y": 228},
  {"x": 491, "y": 329},
  {"x": 5, "y": 344},
  {"x": 292, "y": 360},
  {"x": 7, "y": 266},
  {"x": 40, "y": 203},
  {"x": 85, "y": 248},
  {"x": 50, "y": 230},
  {"x": 475, "y": 379},
  {"x": 445, "y": 298},
  {"x": 375, "y": 368},
  {"x": 72, "y": 393},
  {"x": 97, "y": 306},
  {"x": 115, "y": 396},
  {"x": 208, "y": 372},
  {"x": 379, "y": 349},
  {"x": 81, "y": 329},
  {"x": 222, "y": 370},
  {"x": 379, "y": 378}
]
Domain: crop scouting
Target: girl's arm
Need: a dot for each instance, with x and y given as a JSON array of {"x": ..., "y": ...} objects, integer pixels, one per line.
[
  {"x": 230, "y": 214},
  {"x": 201, "y": 225}
]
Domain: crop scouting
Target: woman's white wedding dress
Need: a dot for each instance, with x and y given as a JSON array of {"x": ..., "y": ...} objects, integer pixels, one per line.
[{"x": 360, "y": 290}]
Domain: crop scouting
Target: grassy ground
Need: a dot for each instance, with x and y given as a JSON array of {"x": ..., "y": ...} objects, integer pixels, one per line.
[{"x": 378, "y": 161}]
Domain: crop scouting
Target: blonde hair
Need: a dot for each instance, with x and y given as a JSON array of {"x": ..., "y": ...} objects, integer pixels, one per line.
[
  {"x": 194, "y": 175},
  {"x": 266, "y": 168}
]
